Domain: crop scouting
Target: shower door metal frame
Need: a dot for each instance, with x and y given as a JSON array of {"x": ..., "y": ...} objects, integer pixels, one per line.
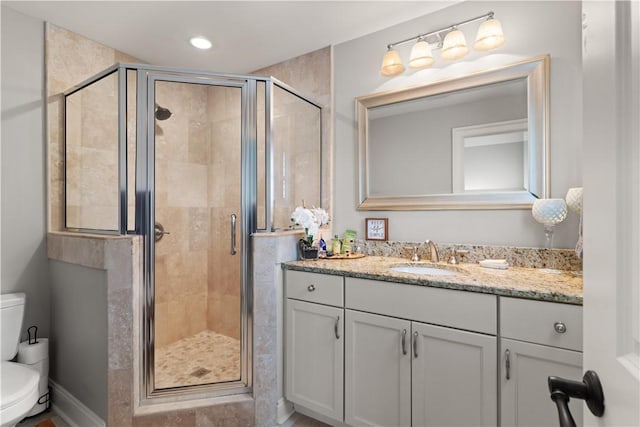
[
  {"x": 121, "y": 82},
  {"x": 146, "y": 75},
  {"x": 145, "y": 220}
]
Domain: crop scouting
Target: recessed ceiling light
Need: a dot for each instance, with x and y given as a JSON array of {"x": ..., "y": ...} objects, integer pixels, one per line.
[{"x": 200, "y": 42}]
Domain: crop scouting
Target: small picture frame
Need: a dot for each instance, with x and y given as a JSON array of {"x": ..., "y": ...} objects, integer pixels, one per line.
[{"x": 376, "y": 229}]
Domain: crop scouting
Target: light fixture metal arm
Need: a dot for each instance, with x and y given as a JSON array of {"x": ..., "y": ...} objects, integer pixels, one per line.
[{"x": 487, "y": 15}]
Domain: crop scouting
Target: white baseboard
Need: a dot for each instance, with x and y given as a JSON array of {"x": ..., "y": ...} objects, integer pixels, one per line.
[
  {"x": 70, "y": 409},
  {"x": 285, "y": 410}
]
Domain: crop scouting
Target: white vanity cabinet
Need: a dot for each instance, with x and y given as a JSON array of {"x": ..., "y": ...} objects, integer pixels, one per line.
[
  {"x": 405, "y": 366},
  {"x": 374, "y": 353},
  {"x": 377, "y": 370},
  {"x": 314, "y": 350},
  {"x": 538, "y": 339}
]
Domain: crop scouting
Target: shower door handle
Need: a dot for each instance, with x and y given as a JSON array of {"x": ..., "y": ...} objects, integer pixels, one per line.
[{"x": 233, "y": 234}]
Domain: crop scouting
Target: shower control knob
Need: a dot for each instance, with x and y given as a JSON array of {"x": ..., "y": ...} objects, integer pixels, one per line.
[
  {"x": 560, "y": 327},
  {"x": 159, "y": 231},
  {"x": 311, "y": 288}
]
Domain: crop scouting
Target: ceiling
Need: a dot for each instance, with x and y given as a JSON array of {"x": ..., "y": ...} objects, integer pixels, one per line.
[{"x": 246, "y": 35}]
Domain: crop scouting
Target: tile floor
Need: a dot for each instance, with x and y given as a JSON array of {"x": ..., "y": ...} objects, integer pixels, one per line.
[
  {"x": 204, "y": 358},
  {"x": 47, "y": 418},
  {"x": 200, "y": 359},
  {"x": 299, "y": 420}
]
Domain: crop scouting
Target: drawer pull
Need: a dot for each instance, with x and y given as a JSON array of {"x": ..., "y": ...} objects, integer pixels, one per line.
[
  {"x": 404, "y": 341},
  {"x": 311, "y": 288},
  {"x": 507, "y": 363},
  {"x": 415, "y": 344},
  {"x": 560, "y": 327},
  {"x": 336, "y": 326}
]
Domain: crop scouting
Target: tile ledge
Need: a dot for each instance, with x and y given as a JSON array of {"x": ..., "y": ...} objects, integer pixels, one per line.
[
  {"x": 193, "y": 404},
  {"x": 277, "y": 233},
  {"x": 79, "y": 235}
]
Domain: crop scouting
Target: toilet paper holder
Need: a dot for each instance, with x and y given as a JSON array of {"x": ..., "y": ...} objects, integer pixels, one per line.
[{"x": 35, "y": 335}]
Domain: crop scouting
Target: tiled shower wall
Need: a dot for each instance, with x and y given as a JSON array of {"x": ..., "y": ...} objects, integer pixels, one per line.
[
  {"x": 197, "y": 189},
  {"x": 296, "y": 148},
  {"x": 92, "y": 156},
  {"x": 181, "y": 204},
  {"x": 71, "y": 59},
  {"x": 311, "y": 75},
  {"x": 224, "y": 178}
]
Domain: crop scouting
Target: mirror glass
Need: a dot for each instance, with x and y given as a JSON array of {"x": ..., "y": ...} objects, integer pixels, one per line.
[{"x": 469, "y": 143}]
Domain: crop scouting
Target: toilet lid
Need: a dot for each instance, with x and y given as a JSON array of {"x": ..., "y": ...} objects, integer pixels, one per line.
[{"x": 18, "y": 382}]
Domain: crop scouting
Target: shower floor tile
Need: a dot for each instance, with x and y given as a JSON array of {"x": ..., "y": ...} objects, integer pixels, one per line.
[{"x": 203, "y": 358}]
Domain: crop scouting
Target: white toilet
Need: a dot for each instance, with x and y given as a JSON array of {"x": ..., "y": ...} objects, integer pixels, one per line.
[{"x": 19, "y": 382}]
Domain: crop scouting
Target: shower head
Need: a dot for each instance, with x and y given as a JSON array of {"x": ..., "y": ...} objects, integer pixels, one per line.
[{"x": 162, "y": 113}]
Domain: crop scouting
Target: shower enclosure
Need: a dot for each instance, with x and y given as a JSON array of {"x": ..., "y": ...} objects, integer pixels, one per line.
[{"x": 194, "y": 162}]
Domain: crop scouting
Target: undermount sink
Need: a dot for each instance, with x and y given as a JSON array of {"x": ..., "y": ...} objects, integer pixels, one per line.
[{"x": 419, "y": 269}]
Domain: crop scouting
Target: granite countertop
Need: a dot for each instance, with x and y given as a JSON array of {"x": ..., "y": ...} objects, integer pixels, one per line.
[{"x": 519, "y": 282}]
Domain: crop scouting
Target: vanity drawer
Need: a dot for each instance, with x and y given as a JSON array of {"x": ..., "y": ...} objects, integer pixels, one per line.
[
  {"x": 541, "y": 322},
  {"x": 314, "y": 287},
  {"x": 456, "y": 309}
]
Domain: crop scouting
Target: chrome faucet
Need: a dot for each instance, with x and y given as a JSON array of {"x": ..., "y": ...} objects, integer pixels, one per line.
[
  {"x": 415, "y": 257},
  {"x": 432, "y": 250}
]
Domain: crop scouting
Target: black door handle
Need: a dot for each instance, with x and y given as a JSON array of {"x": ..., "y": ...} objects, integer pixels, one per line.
[{"x": 590, "y": 390}]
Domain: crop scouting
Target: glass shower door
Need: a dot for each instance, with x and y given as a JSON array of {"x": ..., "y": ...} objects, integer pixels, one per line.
[{"x": 197, "y": 254}]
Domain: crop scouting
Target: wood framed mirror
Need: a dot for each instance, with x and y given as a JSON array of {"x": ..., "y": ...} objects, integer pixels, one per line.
[{"x": 475, "y": 142}]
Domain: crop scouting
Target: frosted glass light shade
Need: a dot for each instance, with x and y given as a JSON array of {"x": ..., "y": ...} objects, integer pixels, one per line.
[
  {"x": 574, "y": 199},
  {"x": 549, "y": 211},
  {"x": 391, "y": 64},
  {"x": 421, "y": 55},
  {"x": 454, "y": 45},
  {"x": 489, "y": 35}
]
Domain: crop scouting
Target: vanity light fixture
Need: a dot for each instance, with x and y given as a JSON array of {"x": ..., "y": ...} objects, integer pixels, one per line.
[
  {"x": 451, "y": 40},
  {"x": 200, "y": 42},
  {"x": 454, "y": 45},
  {"x": 391, "y": 63},
  {"x": 489, "y": 35},
  {"x": 421, "y": 55}
]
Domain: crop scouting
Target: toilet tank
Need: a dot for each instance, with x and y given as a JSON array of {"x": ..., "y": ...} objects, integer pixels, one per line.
[{"x": 11, "y": 315}]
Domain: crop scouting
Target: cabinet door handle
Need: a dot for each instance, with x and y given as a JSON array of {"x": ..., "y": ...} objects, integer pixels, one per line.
[
  {"x": 335, "y": 328},
  {"x": 415, "y": 344},
  {"x": 507, "y": 363},
  {"x": 404, "y": 341},
  {"x": 560, "y": 327},
  {"x": 311, "y": 288}
]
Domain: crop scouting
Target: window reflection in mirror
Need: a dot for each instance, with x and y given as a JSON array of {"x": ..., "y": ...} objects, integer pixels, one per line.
[
  {"x": 491, "y": 157},
  {"x": 417, "y": 138}
]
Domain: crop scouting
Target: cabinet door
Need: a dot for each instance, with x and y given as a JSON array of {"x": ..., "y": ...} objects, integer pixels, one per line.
[
  {"x": 454, "y": 377},
  {"x": 314, "y": 363},
  {"x": 377, "y": 370},
  {"x": 525, "y": 397}
]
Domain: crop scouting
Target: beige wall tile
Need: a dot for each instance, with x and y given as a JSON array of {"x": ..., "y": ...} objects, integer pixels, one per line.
[{"x": 187, "y": 186}]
